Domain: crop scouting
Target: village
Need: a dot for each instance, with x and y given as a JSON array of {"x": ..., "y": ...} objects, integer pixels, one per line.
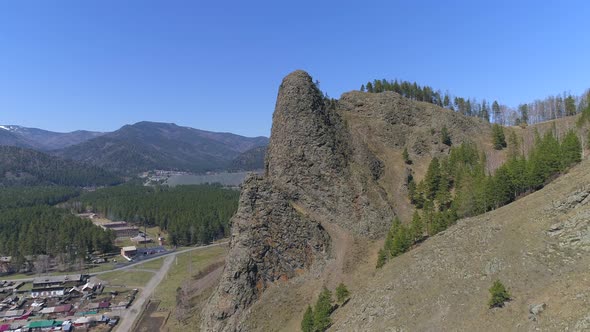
[
  {"x": 80, "y": 301},
  {"x": 61, "y": 303}
]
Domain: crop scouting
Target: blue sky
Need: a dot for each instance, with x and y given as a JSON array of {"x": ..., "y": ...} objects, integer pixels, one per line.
[{"x": 217, "y": 65}]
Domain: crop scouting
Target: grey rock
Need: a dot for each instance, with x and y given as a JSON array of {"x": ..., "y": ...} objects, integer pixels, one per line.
[
  {"x": 277, "y": 231},
  {"x": 536, "y": 309}
]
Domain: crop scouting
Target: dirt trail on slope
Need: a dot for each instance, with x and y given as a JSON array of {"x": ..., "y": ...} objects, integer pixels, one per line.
[
  {"x": 132, "y": 313},
  {"x": 285, "y": 301}
]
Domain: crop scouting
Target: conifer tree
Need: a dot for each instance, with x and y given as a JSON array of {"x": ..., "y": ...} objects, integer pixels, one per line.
[
  {"x": 432, "y": 179},
  {"x": 497, "y": 112},
  {"x": 307, "y": 322},
  {"x": 342, "y": 293},
  {"x": 381, "y": 258},
  {"x": 571, "y": 150},
  {"x": 513, "y": 145},
  {"x": 406, "y": 156},
  {"x": 498, "y": 138},
  {"x": 416, "y": 227},
  {"x": 499, "y": 295},
  {"x": 445, "y": 136},
  {"x": 322, "y": 311}
]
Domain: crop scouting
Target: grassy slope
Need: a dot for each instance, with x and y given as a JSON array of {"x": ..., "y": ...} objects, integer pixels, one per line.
[
  {"x": 385, "y": 124},
  {"x": 443, "y": 284},
  {"x": 178, "y": 276}
]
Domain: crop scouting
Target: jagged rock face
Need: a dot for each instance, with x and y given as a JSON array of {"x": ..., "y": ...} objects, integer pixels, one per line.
[
  {"x": 310, "y": 157},
  {"x": 308, "y": 145},
  {"x": 270, "y": 241},
  {"x": 316, "y": 173}
]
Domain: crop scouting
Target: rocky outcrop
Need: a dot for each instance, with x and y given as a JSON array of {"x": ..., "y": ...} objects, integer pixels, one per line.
[
  {"x": 270, "y": 241},
  {"x": 313, "y": 157},
  {"x": 314, "y": 165}
]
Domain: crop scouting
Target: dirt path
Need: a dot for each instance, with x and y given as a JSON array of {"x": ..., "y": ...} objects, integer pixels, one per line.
[
  {"x": 130, "y": 315},
  {"x": 206, "y": 281}
]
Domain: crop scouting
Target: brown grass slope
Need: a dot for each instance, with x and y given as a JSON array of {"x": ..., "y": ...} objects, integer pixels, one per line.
[
  {"x": 330, "y": 168},
  {"x": 537, "y": 246}
]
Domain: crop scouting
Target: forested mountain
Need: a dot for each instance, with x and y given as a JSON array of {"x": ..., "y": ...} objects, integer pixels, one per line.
[
  {"x": 20, "y": 166},
  {"x": 195, "y": 214},
  {"x": 149, "y": 145},
  {"x": 252, "y": 159},
  {"x": 11, "y": 139},
  {"x": 42, "y": 140}
]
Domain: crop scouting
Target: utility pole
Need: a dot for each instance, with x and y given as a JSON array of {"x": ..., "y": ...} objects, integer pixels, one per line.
[{"x": 190, "y": 254}]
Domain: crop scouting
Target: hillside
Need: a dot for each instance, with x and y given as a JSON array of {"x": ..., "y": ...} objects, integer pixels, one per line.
[
  {"x": 537, "y": 246},
  {"x": 252, "y": 159},
  {"x": 8, "y": 138},
  {"x": 149, "y": 145},
  {"x": 334, "y": 180},
  {"x": 42, "y": 140},
  {"x": 20, "y": 166}
]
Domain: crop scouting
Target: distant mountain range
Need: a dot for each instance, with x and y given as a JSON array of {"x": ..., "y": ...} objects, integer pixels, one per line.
[
  {"x": 42, "y": 140},
  {"x": 145, "y": 146}
]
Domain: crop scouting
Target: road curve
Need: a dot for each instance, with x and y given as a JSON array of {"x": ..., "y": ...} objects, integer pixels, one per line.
[{"x": 171, "y": 253}]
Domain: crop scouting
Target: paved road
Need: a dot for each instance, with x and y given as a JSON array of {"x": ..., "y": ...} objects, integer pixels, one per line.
[{"x": 171, "y": 253}]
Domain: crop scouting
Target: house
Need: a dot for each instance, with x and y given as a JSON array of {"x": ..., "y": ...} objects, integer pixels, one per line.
[
  {"x": 120, "y": 229},
  {"x": 114, "y": 224},
  {"x": 12, "y": 314},
  {"x": 67, "y": 326},
  {"x": 44, "y": 325},
  {"x": 126, "y": 231},
  {"x": 55, "y": 286},
  {"x": 128, "y": 252},
  {"x": 141, "y": 239},
  {"x": 6, "y": 264}
]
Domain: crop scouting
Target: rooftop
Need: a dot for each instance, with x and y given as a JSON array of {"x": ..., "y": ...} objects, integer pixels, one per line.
[{"x": 57, "y": 279}]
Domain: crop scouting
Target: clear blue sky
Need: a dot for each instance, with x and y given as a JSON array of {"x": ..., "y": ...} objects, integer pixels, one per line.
[{"x": 217, "y": 65}]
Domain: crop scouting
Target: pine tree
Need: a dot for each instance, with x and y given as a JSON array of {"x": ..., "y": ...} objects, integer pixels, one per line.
[
  {"x": 342, "y": 293},
  {"x": 570, "y": 106},
  {"x": 498, "y": 138},
  {"x": 416, "y": 227},
  {"x": 370, "y": 87},
  {"x": 571, "y": 149},
  {"x": 307, "y": 322},
  {"x": 401, "y": 241},
  {"x": 445, "y": 136},
  {"x": 497, "y": 112},
  {"x": 419, "y": 198},
  {"x": 499, "y": 295},
  {"x": 432, "y": 179},
  {"x": 447, "y": 101},
  {"x": 322, "y": 311},
  {"x": 513, "y": 146},
  {"x": 363, "y": 88},
  {"x": 406, "y": 156},
  {"x": 381, "y": 258}
]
